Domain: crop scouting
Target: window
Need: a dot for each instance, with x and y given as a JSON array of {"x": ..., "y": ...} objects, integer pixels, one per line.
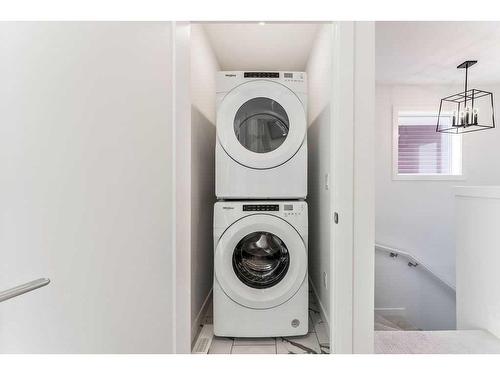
[{"x": 419, "y": 152}]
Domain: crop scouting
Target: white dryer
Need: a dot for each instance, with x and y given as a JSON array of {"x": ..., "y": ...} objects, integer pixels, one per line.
[
  {"x": 260, "y": 268},
  {"x": 261, "y": 149}
]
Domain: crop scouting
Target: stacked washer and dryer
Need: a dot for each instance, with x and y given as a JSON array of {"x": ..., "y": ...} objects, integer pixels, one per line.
[{"x": 260, "y": 219}]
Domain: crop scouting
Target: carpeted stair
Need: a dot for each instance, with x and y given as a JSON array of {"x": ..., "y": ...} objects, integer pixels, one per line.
[{"x": 394, "y": 334}]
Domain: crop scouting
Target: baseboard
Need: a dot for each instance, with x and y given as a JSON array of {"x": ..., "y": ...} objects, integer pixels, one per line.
[
  {"x": 196, "y": 325},
  {"x": 324, "y": 315}
]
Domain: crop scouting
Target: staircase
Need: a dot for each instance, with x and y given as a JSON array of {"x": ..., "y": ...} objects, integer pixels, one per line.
[{"x": 394, "y": 334}]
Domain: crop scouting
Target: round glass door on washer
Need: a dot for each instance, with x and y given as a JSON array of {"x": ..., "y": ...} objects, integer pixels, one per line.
[
  {"x": 260, "y": 269},
  {"x": 261, "y": 149},
  {"x": 260, "y": 260}
]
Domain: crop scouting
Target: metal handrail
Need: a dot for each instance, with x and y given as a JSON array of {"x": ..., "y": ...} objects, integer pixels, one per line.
[
  {"x": 413, "y": 262},
  {"x": 23, "y": 288}
]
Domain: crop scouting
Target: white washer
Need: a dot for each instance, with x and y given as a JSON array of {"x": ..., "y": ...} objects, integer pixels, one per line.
[
  {"x": 260, "y": 269},
  {"x": 261, "y": 149}
]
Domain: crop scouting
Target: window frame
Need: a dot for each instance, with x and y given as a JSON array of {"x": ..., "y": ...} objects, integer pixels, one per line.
[{"x": 395, "y": 150}]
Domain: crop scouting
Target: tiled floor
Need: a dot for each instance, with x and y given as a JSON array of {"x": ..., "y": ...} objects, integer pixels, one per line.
[{"x": 315, "y": 342}]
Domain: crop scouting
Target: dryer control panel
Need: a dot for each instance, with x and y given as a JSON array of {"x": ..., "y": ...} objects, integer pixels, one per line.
[
  {"x": 228, "y": 80},
  {"x": 262, "y": 74},
  {"x": 284, "y": 76}
]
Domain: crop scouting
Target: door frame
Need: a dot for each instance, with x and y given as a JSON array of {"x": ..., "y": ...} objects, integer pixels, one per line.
[
  {"x": 341, "y": 199},
  {"x": 352, "y": 140},
  {"x": 364, "y": 187},
  {"x": 181, "y": 155},
  {"x": 352, "y": 137}
]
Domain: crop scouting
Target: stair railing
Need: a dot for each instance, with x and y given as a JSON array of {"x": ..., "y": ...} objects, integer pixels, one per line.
[{"x": 413, "y": 262}]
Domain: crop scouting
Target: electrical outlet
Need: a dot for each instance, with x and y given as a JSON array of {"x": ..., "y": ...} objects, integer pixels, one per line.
[{"x": 325, "y": 280}]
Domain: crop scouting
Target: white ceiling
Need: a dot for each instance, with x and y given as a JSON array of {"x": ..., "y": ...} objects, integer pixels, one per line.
[
  {"x": 272, "y": 46},
  {"x": 429, "y": 52}
]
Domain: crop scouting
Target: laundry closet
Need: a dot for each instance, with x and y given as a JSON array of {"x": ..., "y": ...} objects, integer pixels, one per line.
[{"x": 302, "y": 57}]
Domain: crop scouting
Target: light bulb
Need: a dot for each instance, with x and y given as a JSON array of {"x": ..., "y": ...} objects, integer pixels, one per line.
[
  {"x": 467, "y": 116},
  {"x": 461, "y": 118},
  {"x": 475, "y": 111}
]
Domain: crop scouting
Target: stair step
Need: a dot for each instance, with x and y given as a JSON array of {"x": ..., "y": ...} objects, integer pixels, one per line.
[
  {"x": 396, "y": 322},
  {"x": 401, "y": 322},
  {"x": 436, "y": 342},
  {"x": 383, "y": 327},
  {"x": 381, "y": 321}
]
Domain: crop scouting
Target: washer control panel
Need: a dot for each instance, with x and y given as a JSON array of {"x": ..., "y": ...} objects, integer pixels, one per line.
[
  {"x": 292, "y": 209},
  {"x": 226, "y": 212},
  {"x": 261, "y": 207},
  {"x": 285, "y": 209}
]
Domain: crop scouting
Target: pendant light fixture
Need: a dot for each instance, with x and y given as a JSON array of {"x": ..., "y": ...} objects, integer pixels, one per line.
[{"x": 467, "y": 111}]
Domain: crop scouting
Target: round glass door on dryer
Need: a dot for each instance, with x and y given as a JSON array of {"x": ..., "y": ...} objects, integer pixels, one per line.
[
  {"x": 261, "y": 124},
  {"x": 260, "y": 261}
]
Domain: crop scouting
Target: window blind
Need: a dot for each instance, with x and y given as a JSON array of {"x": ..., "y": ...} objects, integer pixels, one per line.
[{"x": 421, "y": 150}]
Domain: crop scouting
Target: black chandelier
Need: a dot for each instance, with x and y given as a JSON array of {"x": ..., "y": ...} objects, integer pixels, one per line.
[{"x": 468, "y": 111}]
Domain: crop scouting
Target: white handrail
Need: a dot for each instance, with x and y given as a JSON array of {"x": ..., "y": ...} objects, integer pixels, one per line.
[
  {"x": 23, "y": 288},
  {"x": 414, "y": 262}
]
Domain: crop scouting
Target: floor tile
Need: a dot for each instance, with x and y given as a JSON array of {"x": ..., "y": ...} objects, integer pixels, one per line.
[
  {"x": 298, "y": 345},
  {"x": 254, "y": 341},
  {"x": 254, "y": 349},
  {"x": 221, "y": 345}
]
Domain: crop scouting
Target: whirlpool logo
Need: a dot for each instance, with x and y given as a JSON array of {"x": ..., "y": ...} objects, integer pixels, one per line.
[
  {"x": 230, "y": 75},
  {"x": 227, "y": 208}
]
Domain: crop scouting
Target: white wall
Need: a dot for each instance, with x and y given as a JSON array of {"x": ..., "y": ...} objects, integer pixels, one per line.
[
  {"x": 319, "y": 74},
  {"x": 418, "y": 216},
  {"x": 204, "y": 65},
  {"x": 478, "y": 279},
  {"x": 86, "y": 186}
]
